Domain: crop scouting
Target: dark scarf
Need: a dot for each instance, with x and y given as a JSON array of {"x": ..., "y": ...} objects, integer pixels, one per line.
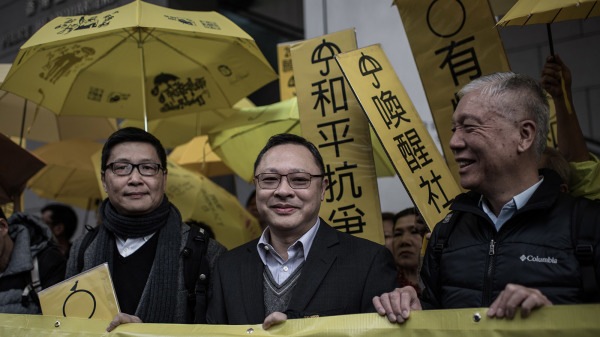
[{"x": 159, "y": 298}]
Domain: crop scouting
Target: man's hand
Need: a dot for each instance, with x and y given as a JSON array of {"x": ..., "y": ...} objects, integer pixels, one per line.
[
  {"x": 122, "y": 318},
  {"x": 514, "y": 296},
  {"x": 396, "y": 305},
  {"x": 274, "y": 319}
]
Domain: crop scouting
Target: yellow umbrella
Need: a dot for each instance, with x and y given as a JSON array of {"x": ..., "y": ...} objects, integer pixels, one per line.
[
  {"x": 138, "y": 61},
  {"x": 18, "y": 166},
  {"x": 527, "y": 12},
  {"x": 69, "y": 175},
  {"x": 197, "y": 155},
  {"x": 238, "y": 140},
  {"x": 200, "y": 199},
  {"x": 18, "y": 119},
  {"x": 177, "y": 130}
]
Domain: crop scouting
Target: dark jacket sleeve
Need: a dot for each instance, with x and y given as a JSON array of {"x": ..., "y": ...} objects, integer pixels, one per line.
[
  {"x": 430, "y": 272},
  {"x": 52, "y": 266},
  {"x": 216, "y": 313},
  {"x": 382, "y": 278}
]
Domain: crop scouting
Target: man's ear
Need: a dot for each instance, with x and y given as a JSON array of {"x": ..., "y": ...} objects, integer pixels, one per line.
[
  {"x": 3, "y": 227},
  {"x": 102, "y": 173},
  {"x": 324, "y": 185},
  {"x": 527, "y": 129}
]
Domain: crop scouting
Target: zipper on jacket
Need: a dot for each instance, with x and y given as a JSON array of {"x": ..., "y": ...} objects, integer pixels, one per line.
[{"x": 487, "y": 282}]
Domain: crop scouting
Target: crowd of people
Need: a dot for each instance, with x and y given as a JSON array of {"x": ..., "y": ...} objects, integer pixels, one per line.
[{"x": 511, "y": 243}]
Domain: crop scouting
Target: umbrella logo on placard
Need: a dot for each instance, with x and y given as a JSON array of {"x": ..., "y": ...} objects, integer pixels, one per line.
[
  {"x": 369, "y": 66},
  {"x": 62, "y": 61},
  {"x": 84, "y": 22},
  {"x": 75, "y": 291},
  {"x": 325, "y": 53}
]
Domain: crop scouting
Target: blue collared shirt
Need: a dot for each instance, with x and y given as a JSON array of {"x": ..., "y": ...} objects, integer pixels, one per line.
[
  {"x": 511, "y": 207},
  {"x": 297, "y": 253}
]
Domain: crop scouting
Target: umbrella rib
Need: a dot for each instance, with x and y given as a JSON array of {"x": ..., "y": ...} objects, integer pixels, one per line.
[
  {"x": 557, "y": 13},
  {"x": 93, "y": 63},
  {"x": 591, "y": 9}
]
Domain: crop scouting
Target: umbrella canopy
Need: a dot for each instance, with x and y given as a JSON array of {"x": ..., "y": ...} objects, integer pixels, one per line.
[
  {"x": 527, "y": 12},
  {"x": 197, "y": 155},
  {"x": 177, "y": 130},
  {"x": 138, "y": 61},
  {"x": 238, "y": 140},
  {"x": 18, "y": 166},
  {"x": 69, "y": 175},
  {"x": 18, "y": 119}
]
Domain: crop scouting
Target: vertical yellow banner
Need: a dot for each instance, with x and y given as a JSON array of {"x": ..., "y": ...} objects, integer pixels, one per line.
[
  {"x": 405, "y": 139},
  {"x": 333, "y": 120},
  {"x": 287, "y": 84},
  {"x": 453, "y": 42}
]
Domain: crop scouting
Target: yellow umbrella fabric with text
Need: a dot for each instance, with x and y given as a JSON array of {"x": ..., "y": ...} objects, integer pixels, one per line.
[{"x": 138, "y": 61}]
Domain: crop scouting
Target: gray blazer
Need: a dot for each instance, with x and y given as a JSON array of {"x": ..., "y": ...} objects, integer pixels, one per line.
[{"x": 341, "y": 275}]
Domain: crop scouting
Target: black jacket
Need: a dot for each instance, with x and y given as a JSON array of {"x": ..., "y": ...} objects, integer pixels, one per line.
[{"x": 534, "y": 249}]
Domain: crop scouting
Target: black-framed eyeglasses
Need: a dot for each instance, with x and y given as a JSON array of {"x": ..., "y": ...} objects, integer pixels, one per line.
[
  {"x": 297, "y": 180},
  {"x": 125, "y": 169}
]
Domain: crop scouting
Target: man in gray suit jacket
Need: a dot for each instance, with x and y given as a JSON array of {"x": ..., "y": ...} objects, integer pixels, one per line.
[{"x": 300, "y": 266}]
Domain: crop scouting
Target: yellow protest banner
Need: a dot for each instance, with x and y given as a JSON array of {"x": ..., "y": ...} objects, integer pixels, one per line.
[
  {"x": 332, "y": 119},
  {"x": 559, "y": 320},
  {"x": 87, "y": 295},
  {"x": 287, "y": 84},
  {"x": 453, "y": 42},
  {"x": 405, "y": 139}
]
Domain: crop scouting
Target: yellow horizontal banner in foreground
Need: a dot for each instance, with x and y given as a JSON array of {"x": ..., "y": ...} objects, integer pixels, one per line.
[{"x": 563, "y": 320}]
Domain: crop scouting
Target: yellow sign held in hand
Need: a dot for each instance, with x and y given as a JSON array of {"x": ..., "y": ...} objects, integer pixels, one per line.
[
  {"x": 87, "y": 295},
  {"x": 398, "y": 126}
]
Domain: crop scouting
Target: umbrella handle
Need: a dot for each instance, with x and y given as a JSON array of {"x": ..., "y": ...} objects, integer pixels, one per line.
[{"x": 549, "y": 30}]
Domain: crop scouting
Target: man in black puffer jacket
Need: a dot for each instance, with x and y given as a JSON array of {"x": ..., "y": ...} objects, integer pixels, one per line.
[{"x": 508, "y": 243}]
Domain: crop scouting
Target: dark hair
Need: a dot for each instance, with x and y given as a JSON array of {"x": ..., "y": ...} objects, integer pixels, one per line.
[
  {"x": 63, "y": 214},
  {"x": 2, "y": 216},
  {"x": 288, "y": 138},
  {"x": 387, "y": 216},
  {"x": 250, "y": 197},
  {"x": 403, "y": 213},
  {"x": 132, "y": 134}
]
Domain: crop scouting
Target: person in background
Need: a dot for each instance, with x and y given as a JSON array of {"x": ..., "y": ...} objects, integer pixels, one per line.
[
  {"x": 388, "y": 229},
  {"x": 407, "y": 241},
  {"x": 62, "y": 221},
  {"x": 29, "y": 262},
  {"x": 584, "y": 180},
  {"x": 300, "y": 266},
  {"x": 251, "y": 208},
  {"x": 142, "y": 236}
]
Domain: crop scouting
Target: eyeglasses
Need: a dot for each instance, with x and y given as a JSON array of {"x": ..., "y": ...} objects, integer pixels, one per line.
[
  {"x": 297, "y": 180},
  {"x": 125, "y": 169}
]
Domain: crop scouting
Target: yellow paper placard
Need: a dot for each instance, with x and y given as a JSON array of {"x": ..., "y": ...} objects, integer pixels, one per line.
[
  {"x": 87, "y": 295},
  {"x": 287, "y": 83},
  {"x": 332, "y": 119},
  {"x": 558, "y": 320},
  {"x": 453, "y": 42},
  {"x": 405, "y": 139}
]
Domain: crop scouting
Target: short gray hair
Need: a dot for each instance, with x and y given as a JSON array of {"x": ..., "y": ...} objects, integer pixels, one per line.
[{"x": 510, "y": 93}]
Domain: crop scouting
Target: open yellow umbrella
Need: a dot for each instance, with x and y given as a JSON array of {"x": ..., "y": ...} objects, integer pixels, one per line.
[
  {"x": 527, "y": 12},
  {"x": 138, "y": 61},
  {"x": 18, "y": 118},
  {"x": 18, "y": 166},
  {"x": 69, "y": 175},
  {"x": 238, "y": 140},
  {"x": 197, "y": 155},
  {"x": 177, "y": 130},
  {"x": 200, "y": 199}
]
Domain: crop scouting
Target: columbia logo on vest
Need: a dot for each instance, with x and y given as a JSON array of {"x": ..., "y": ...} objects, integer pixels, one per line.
[{"x": 531, "y": 258}]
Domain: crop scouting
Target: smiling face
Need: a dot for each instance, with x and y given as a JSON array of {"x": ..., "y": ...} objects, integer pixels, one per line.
[
  {"x": 134, "y": 194},
  {"x": 285, "y": 210},
  {"x": 485, "y": 145}
]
